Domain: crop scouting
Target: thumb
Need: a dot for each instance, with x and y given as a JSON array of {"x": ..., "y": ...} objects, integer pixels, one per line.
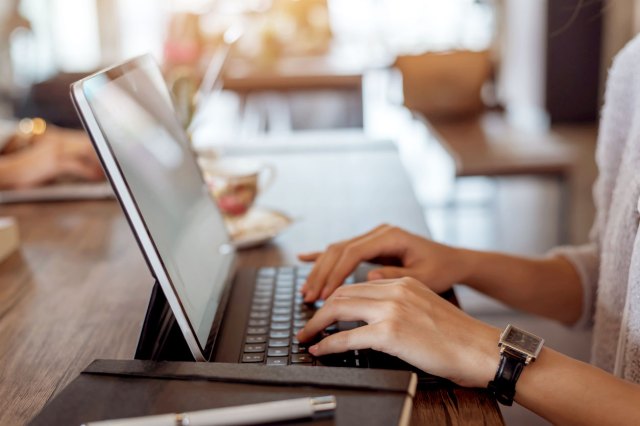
[{"x": 387, "y": 272}]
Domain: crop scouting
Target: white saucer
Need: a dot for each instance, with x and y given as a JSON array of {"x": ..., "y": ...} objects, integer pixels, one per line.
[{"x": 257, "y": 227}]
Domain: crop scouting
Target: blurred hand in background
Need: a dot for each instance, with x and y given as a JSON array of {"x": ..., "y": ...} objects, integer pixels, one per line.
[{"x": 56, "y": 154}]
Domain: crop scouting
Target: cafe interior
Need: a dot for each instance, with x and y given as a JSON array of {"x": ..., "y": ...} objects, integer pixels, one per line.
[{"x": 470, "y": 122}]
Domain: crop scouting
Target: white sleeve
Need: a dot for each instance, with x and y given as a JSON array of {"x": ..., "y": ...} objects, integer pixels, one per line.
[{"x": 586, "y": 261}]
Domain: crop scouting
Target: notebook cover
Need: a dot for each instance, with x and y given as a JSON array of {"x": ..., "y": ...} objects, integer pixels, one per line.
[{"x": 110, "y": 389}]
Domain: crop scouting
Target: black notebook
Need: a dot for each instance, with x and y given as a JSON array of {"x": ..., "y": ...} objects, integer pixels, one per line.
[{"x": 110, "y": 389}]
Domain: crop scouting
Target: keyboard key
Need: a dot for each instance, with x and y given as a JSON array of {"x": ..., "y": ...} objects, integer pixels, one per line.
[
  {"x": 267, "y": 272},
  {"x": 287, "y": 296},
  {"x": 298, "y": 349},
  {"x": 256, "y": 339},
  {"x": 337, "y": 360},
  {"x": 296, "y": 330},
  {"x": 347, "y": 325},
  {"x": 279, "y": 334},
  {"x": 299, "y": 323},
  {"x": 295, "y": 340},
  {"x": 281, "y": 311},
  {"x": 253, "y": 357},
  {"x": 285, "y": 270},
  {"x": 286, "y": 304},
  {"x": 304, "y": 268},
  {"x": 259, "y": 315},
  {"x": 264, "y": 287},
  {"x": 278, "y": 343},
  {"x": 302, "y": 315},
  {"x": 285, "y": 278},
  {"x": 281, "y": 326},
  {"x": 284, "y": 287},
  {"x": 331, "y": 329},
  {"x": 264, "y": 281},
  {"x": 260, "y": 300},
  {"x": 254, "y": 348},
  {"x": 281, "y": 318},
  {"x": 263, "y": 293},
  {"x": 260, "y": 307},
  {"x": 257, "y": 330},
  {"x": 278, "y": 352},
  {"x": 301, "y": 359},
  {"x": 277, "y": 361},
  {"x": 258, "y": 322}
]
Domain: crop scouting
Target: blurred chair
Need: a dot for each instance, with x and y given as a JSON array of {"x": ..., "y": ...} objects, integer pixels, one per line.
[{"x": 445, "y": 85}]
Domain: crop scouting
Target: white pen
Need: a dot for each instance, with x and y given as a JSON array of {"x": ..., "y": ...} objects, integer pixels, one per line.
[{"x": 266, "y": 412}]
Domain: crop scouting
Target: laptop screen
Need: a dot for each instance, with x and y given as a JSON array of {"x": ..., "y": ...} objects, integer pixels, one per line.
[{"x": 133, "y": 108}]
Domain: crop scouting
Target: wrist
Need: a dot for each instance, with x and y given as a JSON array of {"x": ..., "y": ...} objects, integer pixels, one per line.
[
  {"x": 468, "y": 262},
  {"x": 481, "y": 359},
  {"x": 488, "y": 356}
]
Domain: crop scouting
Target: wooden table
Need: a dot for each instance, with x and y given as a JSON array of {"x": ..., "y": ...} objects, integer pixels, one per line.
[
  {"x": 328, "y": 71},
  {"x": 79, "y": 288},
  {"x": 489, "y": 146}
]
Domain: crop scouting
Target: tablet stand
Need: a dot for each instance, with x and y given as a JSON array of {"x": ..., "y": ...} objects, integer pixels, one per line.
[{"x": 161, "y": 338}]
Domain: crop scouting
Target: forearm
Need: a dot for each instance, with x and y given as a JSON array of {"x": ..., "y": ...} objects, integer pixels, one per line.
[
  {"x": 547, "y": 286},
  {"x": 566, "y": 391}
]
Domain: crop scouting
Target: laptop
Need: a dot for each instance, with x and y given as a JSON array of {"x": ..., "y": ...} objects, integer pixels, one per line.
[{"x": 224, "y": 315}]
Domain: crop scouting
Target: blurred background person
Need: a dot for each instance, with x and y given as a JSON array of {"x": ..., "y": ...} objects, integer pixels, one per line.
[{"x": 33, "y": 153}]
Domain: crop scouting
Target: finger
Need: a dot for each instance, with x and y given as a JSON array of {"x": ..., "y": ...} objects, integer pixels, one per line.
[
  {"x": 309, "y": 257},
  {"x": 387, "y": 273},
  {"x": 387, "y": 289},
  {"x": 365, "y": 337},
  {"x": 316, "y": 280},
  {"x": 341, "y": 309},
  {"x": 78, "y": 169},
  {"x": 377, "y": 244}
]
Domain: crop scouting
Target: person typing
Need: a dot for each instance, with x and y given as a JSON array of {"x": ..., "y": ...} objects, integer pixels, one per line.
[
  {"x": 34, "y": 153},
  {"x": 597, "y": 283}
]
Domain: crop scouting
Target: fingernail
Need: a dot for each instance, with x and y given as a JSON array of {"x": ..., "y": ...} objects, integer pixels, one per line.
[{"x": 313, "y": 349}]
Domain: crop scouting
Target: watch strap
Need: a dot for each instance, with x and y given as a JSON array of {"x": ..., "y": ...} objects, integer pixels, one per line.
[{"x": 503, "y": 386}]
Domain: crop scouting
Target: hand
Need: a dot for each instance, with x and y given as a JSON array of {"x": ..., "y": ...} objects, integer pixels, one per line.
[
  {"x": 436, "y": 265},
  {"x": 406, "y": 319},
  {"x": 57, "y": 153}
]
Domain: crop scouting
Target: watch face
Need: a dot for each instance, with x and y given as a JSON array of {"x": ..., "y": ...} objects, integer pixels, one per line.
[{"x": 523, "y": 341}]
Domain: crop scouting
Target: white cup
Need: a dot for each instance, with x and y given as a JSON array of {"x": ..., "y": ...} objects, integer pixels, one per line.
[{"x": 235, "y": 183}]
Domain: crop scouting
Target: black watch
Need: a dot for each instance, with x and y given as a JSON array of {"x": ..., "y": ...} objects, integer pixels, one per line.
[{"x": 518, "y": 349}]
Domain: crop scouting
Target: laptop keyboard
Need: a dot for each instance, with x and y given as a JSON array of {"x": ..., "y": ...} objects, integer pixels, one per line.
[{"x": 277, "y": 314}]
